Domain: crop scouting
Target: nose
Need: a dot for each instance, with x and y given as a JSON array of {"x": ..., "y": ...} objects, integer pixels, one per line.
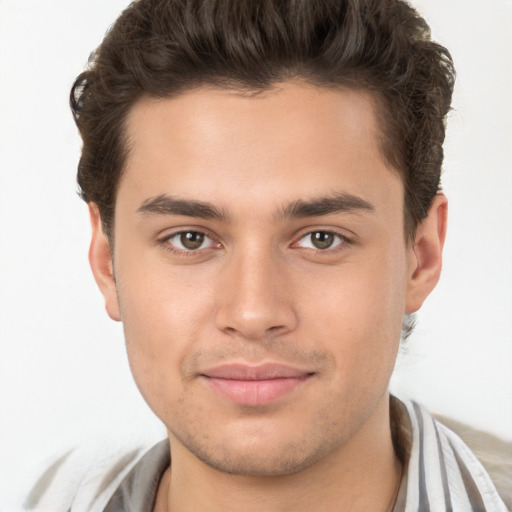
[{"x": 255, "y": 297}]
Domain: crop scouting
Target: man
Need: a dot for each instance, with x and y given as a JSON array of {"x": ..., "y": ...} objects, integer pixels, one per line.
[{"x": 263, "y": 184}]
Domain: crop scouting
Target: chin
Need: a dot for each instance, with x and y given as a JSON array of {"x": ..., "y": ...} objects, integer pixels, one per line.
[
  {"x": 251, "y": 465},
  {"x": 261, "y": 457}
]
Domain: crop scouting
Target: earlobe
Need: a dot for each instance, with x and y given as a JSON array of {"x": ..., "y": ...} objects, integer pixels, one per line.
[
  {"x": 100, "y": 259},
  {"x": 426, "y": 254}
]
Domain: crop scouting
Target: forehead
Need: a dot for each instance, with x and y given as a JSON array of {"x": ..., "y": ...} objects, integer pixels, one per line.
[{"x": 281, "y": 144}]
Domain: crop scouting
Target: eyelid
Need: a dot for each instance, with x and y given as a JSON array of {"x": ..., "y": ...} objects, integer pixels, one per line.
[
  {"x": 345, "y": 239},
  {"x": 163, "y": 240}
]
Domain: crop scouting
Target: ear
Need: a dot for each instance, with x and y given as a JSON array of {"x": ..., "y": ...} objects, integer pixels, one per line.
[
  {"x": 426, "y": 254},
  {"x": 100, "y": 259}
]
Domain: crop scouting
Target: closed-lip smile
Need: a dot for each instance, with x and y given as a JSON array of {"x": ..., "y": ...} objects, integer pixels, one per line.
[{"x": 254, "y": 385}]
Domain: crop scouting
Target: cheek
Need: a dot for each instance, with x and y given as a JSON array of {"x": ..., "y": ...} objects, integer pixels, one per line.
[
  {"x": 158, "y": 299},
  {"x": 358, "y": 316},
  {"x": 164, "y": 314}
]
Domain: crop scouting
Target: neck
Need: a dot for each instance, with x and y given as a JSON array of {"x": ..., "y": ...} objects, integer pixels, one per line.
[{"x": 363, "y": 475}]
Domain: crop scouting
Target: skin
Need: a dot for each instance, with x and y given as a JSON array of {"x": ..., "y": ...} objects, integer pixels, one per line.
[{"x": 258, "y": 290}]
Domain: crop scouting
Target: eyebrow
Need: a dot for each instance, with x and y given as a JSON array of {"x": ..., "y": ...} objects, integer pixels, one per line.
[
  {"x": 167, "y": 205},
  {"x": 338, "y": 203},
  {"x": 164, "y": 204}
]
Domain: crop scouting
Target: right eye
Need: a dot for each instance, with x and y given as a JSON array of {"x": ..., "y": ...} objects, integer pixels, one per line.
[{"x": 189, "y": 241}]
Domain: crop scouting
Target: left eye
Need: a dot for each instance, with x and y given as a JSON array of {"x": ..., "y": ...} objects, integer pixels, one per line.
[
  {"x": 321, "y": 240},
  {"x": 190, "y": 241}
]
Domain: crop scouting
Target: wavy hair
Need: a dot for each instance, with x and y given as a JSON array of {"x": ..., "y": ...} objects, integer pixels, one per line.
[{"x": 162, "y": 48}]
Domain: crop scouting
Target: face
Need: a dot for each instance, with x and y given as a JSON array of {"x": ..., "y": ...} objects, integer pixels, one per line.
[{"x": 261, "y": 272}]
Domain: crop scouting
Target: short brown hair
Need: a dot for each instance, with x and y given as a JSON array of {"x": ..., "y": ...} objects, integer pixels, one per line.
[{"x": 162, "y": 48}]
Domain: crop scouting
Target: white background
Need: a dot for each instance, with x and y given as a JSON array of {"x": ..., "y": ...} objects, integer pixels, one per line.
[{"x": 63, "y": 374}]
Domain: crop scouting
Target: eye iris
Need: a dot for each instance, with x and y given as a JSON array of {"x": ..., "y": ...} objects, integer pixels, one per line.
[
  {"x": 322, "y": 239},
  {"x": 192, "y": 240}
]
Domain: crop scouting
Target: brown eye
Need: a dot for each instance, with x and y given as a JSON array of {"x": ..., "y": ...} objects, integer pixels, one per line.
[
  {"x": 189, "y": 241},
  {"x": 192, "y": 240},
  {"x": 321, "y": 240}
]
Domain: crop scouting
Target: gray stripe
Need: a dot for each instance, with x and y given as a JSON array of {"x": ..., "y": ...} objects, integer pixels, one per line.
[
  {"x": 42, "y": 485},
  {"x": 477, "y": 503},
  {"x": 444, "y": 476},
  {"x": 137, "y": 492},
  {"x": 423, "y": 505},
  {"x": 112, "y": 473}
]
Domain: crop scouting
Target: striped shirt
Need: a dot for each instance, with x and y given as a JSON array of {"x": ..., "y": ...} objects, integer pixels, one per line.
[{"x": 441, "y": 475}]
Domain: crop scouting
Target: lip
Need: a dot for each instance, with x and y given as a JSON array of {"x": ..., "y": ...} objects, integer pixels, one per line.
[{"x": 255, "y": 385}]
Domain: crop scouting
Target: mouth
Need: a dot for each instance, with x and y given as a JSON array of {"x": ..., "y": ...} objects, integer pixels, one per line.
[{"x": 255, "y": 385}]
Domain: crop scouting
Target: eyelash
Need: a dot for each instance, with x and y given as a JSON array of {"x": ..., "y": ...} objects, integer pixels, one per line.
[
  {"x": 166, "y": 245},
  {"x": 343, "y": 242},
  {"x": 340, "y": 245}
]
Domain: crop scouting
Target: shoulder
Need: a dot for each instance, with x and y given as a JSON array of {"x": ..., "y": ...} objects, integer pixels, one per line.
[
  {"x": 494, "y": 454},
  {"x": 82, "y": 479},
  {"x": 444, "y": 470}
]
